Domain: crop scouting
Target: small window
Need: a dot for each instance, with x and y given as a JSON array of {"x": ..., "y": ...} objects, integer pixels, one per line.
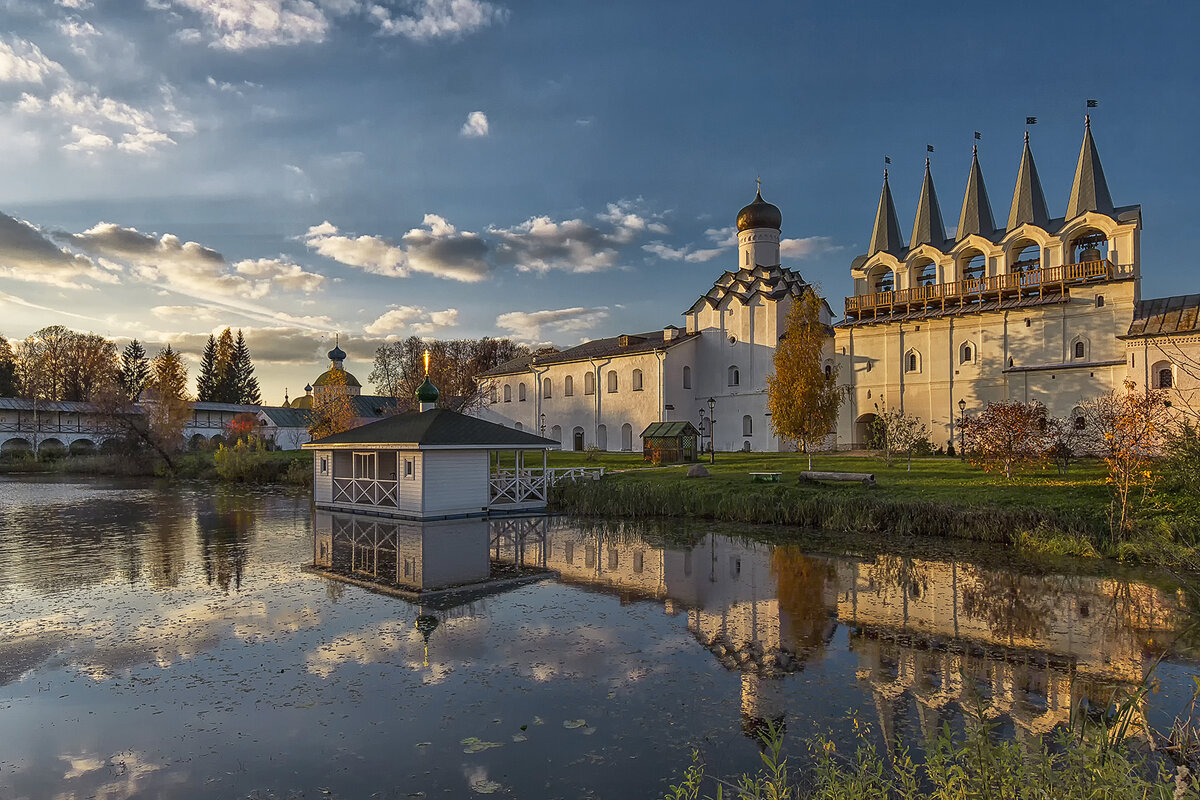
[
  {"x": 828, "y": 371},
  {"x": 324, "y": 466},
  {"x": 1010, "y": 361},
  {"x": 410, "y": 469},
  {"x": 568, "y": 386},
  {"x": 508, "y": 393},
  {"x": 492, "y": 394},
  {"x": 614, "y": 558},
  {"x": 1028, "y": 322},
  {"x": 966, "y": 353},
  {"x": 518, "y": 426},
  {"x": 364, "y": 466},
  {"x": 1080, "y": 350},
  {"x": 1080, "y": 422},
  {"x": 589, "y": 383},
  {"x": 747, "y": 425},
  {"x": 1166, "y": 378},
  {"x": 636, "y": 380},
  {"x": 639, "y": 561},
  {"x": 545, "y": 387},
  {"x": 1099, "y": 301},
  {"x": 912, "y": 361},
  {"x": 612, "y": 380},
  {"x": 520, "y": 392},
  {"x": 687, "y": 377},
  {"x": 735, "y": 377}
]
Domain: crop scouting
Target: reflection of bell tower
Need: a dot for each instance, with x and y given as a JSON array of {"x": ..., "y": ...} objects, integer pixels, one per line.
[{"x": 763, "y": 705}]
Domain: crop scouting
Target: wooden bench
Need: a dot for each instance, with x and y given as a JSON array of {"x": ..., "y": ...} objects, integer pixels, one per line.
[
  {"x": 865, "y": 478},
  {"x": 766, "y": 477}
]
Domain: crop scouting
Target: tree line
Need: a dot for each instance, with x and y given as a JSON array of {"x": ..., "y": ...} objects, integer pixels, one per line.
[
  {"x": 57, "y": 363},
  {"x": 454, "y": 364}
]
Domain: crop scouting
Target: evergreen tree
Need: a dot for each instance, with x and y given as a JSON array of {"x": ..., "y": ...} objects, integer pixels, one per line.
[
  {"x": 8, "y": 370},
  {"x": 245, "y": 383},
  {"x": 135, "y": 370},
  {"x": 225, "y": 388},
  {"x": 206, "y": 380}
]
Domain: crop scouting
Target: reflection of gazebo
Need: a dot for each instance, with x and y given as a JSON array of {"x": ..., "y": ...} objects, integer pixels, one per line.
[{"x": 673, "y": 441}]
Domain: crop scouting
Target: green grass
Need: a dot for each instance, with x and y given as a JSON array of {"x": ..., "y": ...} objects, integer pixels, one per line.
[{"x": 1038, "y": 509}]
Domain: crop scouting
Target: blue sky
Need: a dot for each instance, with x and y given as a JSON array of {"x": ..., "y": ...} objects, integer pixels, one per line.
[{"x": 551, "y": 171}]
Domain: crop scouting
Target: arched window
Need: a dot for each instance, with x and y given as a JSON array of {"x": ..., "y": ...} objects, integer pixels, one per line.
[
  {"x": 912, "y": 361},
  {"x": 612, "y": 380},
  {"x": 545, "y": 387},
  {"x": 636, "y": 380},
  {"x": 492, "y": 390},
  {"x": 508, "y": 393},
  {"x": 1080, "y": 350},
  {"x": 966, "y": 353},
  {"x": 1162, "y": 375},
  {"x": 589, "y": 383},
  {"x": 520, "y": 392},
  {"x": 519, "y": 426},
  {"x": 687, "y": 377},
  {"x": 828, "y": 371},
  {"x": 747, "y": 425},
  {"x": 924, "y": 273},
  {"x": 556, "y": 433},
  {"x": 1077, "y": 419},
  {"x": 1025, "y": 256},
  {"x": 568, "y": 386},
  {"x": 577, "y": 439},
  {"x": 627, "y": 437},
  {"x": 1099, "y": 301},
  {"x": 1090, "y": 245},
  {"x": 735, "y": 377}
]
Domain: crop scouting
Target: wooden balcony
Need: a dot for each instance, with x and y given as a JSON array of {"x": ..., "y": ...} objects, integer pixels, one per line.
[{"x": 949, "y": 296}]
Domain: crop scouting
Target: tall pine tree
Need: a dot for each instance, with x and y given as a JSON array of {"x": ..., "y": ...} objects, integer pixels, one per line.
[
  {"x": 135, "y": 370},
  {"x": 245, "y": 383},
  {"x": 225, "y": 389},
  {"x": 206, "y": 380},
  {"x": 8, "y": 370}
]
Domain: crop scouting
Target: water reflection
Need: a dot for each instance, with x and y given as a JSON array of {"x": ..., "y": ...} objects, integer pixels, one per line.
[{"x": 166, "y": 641}]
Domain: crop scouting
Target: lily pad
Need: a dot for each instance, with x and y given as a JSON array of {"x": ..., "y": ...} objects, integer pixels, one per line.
[
  {"x": 571, "y": 724},
  {"x": 474, "y": 745},
  {"x": 520, "y": 737},
  {"x": 484, "y": 786}
]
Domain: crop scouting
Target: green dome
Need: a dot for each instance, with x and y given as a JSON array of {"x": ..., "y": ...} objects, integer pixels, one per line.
[
  {"x": 326, "y": 379},
  {"x": 427, "y": 392}
]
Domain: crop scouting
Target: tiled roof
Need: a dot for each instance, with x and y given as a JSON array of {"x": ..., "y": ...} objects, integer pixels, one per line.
[
  {"x": 634, "y": 343},
  {"x": 439, "y": 427},
  {"x": 1166, "y": 315}
]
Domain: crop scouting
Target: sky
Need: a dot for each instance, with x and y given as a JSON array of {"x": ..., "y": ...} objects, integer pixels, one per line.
[{"x": 547, "y": 171}]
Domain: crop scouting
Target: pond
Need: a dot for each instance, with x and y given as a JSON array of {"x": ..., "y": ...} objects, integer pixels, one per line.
[{"x": 194, "y": 642}]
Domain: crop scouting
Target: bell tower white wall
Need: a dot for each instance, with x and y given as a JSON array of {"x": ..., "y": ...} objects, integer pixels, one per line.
[{"x": 758, "y": 247}]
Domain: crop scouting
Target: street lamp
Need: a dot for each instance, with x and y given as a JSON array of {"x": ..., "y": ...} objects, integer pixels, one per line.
[
  {"x": 712, "y": 431},
  {"x": 542, "y": 420},
  {"x": 962, "y": 416}
]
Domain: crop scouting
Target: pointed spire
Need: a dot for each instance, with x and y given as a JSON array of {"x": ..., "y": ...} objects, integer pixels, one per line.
[
  {"x": 976, "y": 216},
  {"x": 1089, "y": 191},
  {"x": 886, "y": 236},
  {"x": 928, "y": 227},
  {"x": 1029, "y": 202}
]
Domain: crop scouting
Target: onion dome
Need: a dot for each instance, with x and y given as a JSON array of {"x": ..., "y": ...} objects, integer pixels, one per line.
[
  {"x": 307, "y": 388},
  {"x": 759, "y": 214},
  {"x": 337, "y": 354},
  {"x": 427, "y": 392},
  {"x": 327, "y": 378}
]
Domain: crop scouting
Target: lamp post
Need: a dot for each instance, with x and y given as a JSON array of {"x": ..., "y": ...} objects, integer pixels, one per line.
[
  {"x": 712, "y": 431},
  {"x": 962, "y": 416},
  {"x": 542, "y": 420}
]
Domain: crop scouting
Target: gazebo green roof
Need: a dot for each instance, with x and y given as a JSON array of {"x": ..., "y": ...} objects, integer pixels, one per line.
[
  {"x": 669, "y": 430},
  {"x": 436, "y": 428}
]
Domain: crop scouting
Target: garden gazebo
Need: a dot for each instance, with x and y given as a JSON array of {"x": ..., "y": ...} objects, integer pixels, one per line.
[{"x": 673, "y": 441}]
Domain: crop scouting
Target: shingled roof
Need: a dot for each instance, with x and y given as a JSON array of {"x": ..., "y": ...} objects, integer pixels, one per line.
[
  {"x": 1164, "y": 316},
  {"x": 436, "y": 428}
]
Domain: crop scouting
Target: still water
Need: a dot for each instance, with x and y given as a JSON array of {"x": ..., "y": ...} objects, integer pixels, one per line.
[{"x": 195, "y": 643}]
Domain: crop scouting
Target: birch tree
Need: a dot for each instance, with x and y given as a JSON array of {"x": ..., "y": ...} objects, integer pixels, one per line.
[{"x": 803, "y": 399}]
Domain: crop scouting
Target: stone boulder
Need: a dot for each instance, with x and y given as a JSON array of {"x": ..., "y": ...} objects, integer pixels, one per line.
[{"x": 697, "y": 471}]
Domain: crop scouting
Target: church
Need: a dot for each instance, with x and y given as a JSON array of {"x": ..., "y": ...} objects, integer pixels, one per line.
[{"x": 938, "y": 325}]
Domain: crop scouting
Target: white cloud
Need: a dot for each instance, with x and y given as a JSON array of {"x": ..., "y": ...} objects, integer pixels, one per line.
[
  {"x": 437, "y": 249},
  {"x": 806, "y": 247},
  {"x": 723, "y": 237},
  {"x": 540, "y": 244},
  {"x": 28, "y": 254},
  {"x": 475, "y": 126},
  {"x": 418, "y": 321},
  {"x": 250, "y": 24},
  {"x": 527, "y": 325},
  {"x": 685, "y": 253},
  {"x": 24, "y": 62},
  {"x": 86, "y": 140},
  {"x": 439, "y": 19},
  {"x": 78, "y": 5},
  {"x": 281, "y": 274}
]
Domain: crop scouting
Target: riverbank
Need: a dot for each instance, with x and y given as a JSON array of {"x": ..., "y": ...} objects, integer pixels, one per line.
[
  {"x": 1038, "y": 510},
  {"x": 284, "y": 467}
]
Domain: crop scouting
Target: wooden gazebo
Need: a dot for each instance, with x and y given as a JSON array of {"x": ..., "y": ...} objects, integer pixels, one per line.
[{"x": 673, "y": 441}]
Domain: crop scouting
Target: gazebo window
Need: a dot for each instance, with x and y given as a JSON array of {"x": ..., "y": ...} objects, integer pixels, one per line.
[
  {"x": 410, "y": 469},
  {"x": 636, "y": 380},
  {"x": 735, "y": 376},
  {"x": 612, "y": 380},
  {"x": 589, "y": 383},
  {"x": 364, "y": 465},
  {"x": 687, "y": 377},
  {"x": 520, "y": 392},
  {"x": 747, "y": 425},
  {"x": 568, "y": 386},
  {"x": 545, "y": 387}
]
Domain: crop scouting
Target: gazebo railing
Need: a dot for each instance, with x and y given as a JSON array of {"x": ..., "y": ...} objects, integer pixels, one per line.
[{"x": 364, "y": 491}]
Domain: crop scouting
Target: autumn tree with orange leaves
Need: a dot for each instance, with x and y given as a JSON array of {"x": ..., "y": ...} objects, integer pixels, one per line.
[{"x": 1006, "y": 435}]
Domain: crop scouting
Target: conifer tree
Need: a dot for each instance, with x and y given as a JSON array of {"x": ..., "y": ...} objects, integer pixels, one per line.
[
  {"x": 206, "y": 380},
  {"x": 8, "y": 370},
  {"x": 135, "y": 370},
  {"x": 245, "y": 383},
  {"x": 802, "y": 398},
  {"x": 225, "y": 379}
]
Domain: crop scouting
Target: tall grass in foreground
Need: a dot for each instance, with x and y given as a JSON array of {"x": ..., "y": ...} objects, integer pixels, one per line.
[
  {"x": 814, "y": 508},
  {"x": 1067, "y": 765}
]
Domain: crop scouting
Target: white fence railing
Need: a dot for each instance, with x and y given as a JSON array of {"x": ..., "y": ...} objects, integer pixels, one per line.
[
  {"x": 364, "y": 491},
  {"x": 528, "y": 485}
]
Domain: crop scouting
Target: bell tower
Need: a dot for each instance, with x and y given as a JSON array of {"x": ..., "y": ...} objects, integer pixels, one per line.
[{"x": 758, "y": 227}]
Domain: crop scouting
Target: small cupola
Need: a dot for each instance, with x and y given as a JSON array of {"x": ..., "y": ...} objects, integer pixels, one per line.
[{"x": 427, "y": 394}]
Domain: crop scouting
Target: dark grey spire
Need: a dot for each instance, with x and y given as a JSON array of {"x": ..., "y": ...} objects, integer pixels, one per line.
[
  {"x": 1029, "y": 202},
  {"x": 928, "y": 227},
  {"x": 1089, "y": 191},
  {"x": 976, "y": 216},
  {"x": 886, "y": 236}
]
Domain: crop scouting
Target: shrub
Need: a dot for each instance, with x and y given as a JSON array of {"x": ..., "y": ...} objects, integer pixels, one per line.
[
  {"x": 245, "y": 462},
  {"x": 1181, "y": 468}
]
